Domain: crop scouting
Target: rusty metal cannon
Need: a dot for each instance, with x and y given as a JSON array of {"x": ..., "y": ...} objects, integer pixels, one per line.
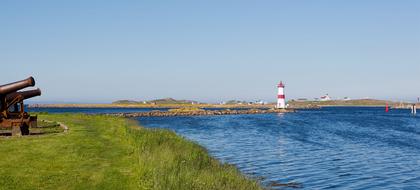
[{"x": 12, "y": 109}]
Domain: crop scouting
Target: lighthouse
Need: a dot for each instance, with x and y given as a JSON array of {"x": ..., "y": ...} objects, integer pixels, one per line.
[{"x": 281, "y": 102}]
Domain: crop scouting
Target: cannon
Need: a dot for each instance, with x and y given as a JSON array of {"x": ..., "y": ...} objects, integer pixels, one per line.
[{"x": 12, "y": 109}]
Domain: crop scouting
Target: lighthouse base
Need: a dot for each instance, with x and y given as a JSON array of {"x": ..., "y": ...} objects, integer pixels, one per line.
[{"x": 281, "y": 106}]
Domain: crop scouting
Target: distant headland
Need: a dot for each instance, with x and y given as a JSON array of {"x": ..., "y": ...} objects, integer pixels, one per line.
[
  {"x": 349, "y": 103},
  {"x": 173, "y": 103}
]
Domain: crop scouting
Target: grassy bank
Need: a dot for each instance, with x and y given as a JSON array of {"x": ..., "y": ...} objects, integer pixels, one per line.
[{"x": 102, "y": 152}]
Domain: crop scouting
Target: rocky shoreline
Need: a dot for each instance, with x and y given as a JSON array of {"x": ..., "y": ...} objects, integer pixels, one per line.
[{"x": 200, "y": 112}]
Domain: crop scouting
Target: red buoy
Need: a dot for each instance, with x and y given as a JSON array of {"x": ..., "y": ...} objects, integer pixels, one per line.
[{"x": 387, "y": 107}]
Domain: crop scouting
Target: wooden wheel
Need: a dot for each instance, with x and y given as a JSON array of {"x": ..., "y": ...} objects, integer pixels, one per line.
[{"x": 24, "y": 129}]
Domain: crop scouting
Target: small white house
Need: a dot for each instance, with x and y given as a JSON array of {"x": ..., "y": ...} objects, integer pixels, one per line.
[{"x": 325, "y": 98}]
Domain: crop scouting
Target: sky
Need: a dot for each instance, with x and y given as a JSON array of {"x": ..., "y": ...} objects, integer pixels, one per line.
[{"x": 211, "y": 51}]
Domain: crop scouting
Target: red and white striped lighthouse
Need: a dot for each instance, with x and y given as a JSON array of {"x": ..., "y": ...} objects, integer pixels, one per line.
[{"x": 281, "y": 102}]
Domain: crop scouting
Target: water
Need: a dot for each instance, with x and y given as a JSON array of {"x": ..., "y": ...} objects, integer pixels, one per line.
[
  {"x": 104, "y": 110},
  {"x": 330, "y": 148},
  {"x": 93, "y": 110}
]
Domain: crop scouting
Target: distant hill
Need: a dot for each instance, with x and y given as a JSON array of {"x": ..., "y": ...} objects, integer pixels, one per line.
[
  {"x": 233, "y": 102},
  {"x": 126, "y": 102},
  {"x": 157, "y": 101},
  {"x": 172, "y": 101}
]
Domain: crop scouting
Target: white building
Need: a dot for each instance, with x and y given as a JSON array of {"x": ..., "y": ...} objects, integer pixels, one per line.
[{"x": 325, "y": 98}]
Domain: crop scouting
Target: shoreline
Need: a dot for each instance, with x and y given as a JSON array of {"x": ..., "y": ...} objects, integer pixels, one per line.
[
  {"x": 146, "y": 106},
  {"x": 188, "y": 106},
  {"x": 293, "y": 104},
  {"x": 199, "y": 113}
]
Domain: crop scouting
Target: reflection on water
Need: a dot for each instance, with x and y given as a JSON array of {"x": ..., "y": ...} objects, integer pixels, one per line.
[{"x": 338, "y": 148}]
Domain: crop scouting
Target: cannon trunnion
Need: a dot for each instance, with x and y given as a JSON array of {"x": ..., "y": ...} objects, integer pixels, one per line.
[{"x": 12, "y": 109}]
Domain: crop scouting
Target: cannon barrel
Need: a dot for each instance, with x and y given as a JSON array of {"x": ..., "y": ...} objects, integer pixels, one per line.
[
  {"x": 25, "y": 94},
  {"x": 15, "y": 86}
]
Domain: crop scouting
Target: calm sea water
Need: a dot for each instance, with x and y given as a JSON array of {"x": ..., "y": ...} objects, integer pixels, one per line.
[
  {"x": 103, "y": 110},
  {"x": 330, "y": 148},
  {"x": 93, "y": 110}
]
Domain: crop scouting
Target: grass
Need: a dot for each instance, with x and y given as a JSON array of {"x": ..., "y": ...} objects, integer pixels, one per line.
[
  {"x": 44, "y": 127},
  {"x": 103, "y": 152}
]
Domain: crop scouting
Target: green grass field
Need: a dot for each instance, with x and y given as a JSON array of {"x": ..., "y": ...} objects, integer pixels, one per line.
[{"x": 102, "y": 152}]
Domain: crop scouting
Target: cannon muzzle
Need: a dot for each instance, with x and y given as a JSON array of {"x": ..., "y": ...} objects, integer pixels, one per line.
[
  {"x": 24, "y": 94},
  {"x": 15, "y": 86}
]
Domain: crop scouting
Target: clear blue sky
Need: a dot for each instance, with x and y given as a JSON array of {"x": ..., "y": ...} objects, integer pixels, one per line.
[{"x": 100, "y": 51}]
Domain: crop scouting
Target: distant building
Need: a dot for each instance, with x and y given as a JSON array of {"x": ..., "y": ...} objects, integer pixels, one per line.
[
  {"x": 301, "y": 100},
  {"x": 325, "y": 98},
  {"x": 259, "y": 102},
  {"x": 346, "y": 99}
]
